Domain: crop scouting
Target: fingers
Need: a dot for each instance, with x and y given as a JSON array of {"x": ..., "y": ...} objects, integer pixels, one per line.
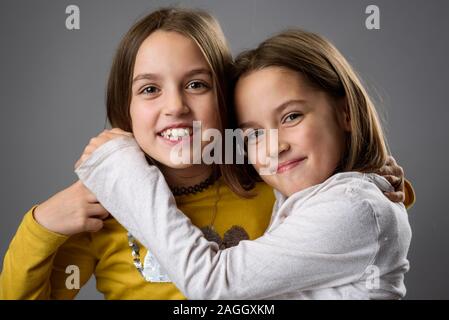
[
  {"x": 90, "y": 197},
  {"x": 81, "y": 160},
  {"x": 90, "y": 148},
  {"x": 93, "y": 225},
  {"x": 386, "y": 169},
  {"x": 85, "y": 193},
  {"x": 107, "y": 135},
  {"x": 396, "y": 182},
  {"x": 96, "y": 214},
  {"x": 391, "y": 168},
  {"x": 97, "y": 210},
  {"x": 395, "y": 169},
  {"x": 398, "y": 171},
  {"x": 96, "y": 142},
  {"x": 93, "y": 208},
  {"x": 77, "y": 164},
  {"x": 393, "y": 180},
  {"x": 395, "y": 196},
  {"x": 120, "y": 131},
  {"x": 391, "y": 161}
]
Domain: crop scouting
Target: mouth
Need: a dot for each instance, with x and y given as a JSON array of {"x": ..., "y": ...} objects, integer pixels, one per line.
[
  {"x": 176, "y": 133},
  {"x": 290, "y": 164}
]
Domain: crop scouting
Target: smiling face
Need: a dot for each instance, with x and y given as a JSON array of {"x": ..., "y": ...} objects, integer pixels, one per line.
[
  {"x": 311, "y": 134},
  {"x": 172, "y": 87}
]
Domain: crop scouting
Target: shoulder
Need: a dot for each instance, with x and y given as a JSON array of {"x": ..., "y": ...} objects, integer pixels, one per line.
[
  {"x": 330, "y": 219},
  {"x": 363, "y": 190},
  {"x": 352, "y": 205},
  {"x": 344, "y": 202},
  {"x": 350, "y": 189}
]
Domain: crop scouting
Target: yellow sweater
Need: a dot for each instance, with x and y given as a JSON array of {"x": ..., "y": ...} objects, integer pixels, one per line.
[{"x": 35, "y": 264}]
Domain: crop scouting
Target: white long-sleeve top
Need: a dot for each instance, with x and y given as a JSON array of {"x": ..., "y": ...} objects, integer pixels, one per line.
[{"x": 341, "y": 239}]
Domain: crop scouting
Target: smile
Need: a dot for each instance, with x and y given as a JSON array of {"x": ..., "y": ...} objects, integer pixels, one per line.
[
  {"x": 287, "y": 165},
  {"x": 176, "y": 133}
]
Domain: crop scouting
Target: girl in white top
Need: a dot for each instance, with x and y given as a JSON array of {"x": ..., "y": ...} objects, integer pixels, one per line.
[{"x": 333, "y": 234}]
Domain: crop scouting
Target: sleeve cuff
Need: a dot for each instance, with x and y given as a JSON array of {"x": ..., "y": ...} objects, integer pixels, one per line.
[
  {"x": 38, "y": 237},
  {"x": 104, "y": 151}
]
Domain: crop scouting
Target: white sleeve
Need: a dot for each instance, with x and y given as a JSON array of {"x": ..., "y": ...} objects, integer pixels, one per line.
[{"x": 325, "y": 245}]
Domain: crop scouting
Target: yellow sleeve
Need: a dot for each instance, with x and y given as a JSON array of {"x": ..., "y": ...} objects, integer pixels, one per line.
[
  {"x": 35, "y": 264},
  {"x": 409, "y": 194}
]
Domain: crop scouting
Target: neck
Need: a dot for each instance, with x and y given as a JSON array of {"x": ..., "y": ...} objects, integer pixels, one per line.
[{"x": 187, "y": 176}]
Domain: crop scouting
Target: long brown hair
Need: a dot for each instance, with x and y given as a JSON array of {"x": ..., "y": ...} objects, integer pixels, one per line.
[
  {"x": 205, "y": 31},
  {"x": 325, "y": 68}
]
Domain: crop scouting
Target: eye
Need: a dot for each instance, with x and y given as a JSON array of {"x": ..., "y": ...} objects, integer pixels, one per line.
[
  {"x": 291, "y": 117},
  {"x": 197, "y": 85},
  {"x": 254, "y": 135},
  {"x": 150, "y": 90}
]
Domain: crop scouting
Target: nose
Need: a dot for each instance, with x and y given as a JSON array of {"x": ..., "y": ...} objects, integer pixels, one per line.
[
  {"x": 276, "y": 145},
  {"x": 283, "y": 147},
  {"x": 175, "y": 104}
]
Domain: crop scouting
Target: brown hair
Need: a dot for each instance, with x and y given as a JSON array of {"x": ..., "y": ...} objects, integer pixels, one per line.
[
  {"x": 325, "y": 68},
  {"x": 205, "y": 31}
]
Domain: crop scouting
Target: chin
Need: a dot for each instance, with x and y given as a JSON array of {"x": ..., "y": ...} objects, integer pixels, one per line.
[
  {"x": 288, "y": 192},
  {"x": 288, "y": 188},
  {"x": 179, "y": 166},
  {"x": 168, "y": 164}
]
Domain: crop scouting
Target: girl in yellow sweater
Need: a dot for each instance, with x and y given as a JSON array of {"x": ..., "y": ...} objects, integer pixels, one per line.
[{"x": 170, "y": 69}]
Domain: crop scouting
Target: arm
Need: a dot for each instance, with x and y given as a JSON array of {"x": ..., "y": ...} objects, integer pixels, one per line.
[
  {"x": 306, "y": 251},
  {"x": 35, "y": 263}
]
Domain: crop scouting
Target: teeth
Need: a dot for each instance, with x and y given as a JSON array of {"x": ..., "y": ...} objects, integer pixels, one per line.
[{"x": 176, "y": 133}]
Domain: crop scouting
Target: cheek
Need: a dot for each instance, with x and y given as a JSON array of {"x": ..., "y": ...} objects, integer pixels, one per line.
[
  {"x": 142, "y": 115},
  {"x": 212, "y": 119},
  {"x": 134, "y": 110},
  {"x": 205, "y": 109},
  {"x": 271, "y": 181},
  {"x": 143, "y": 121},
  {"x": 306, "y": 138},
  {"x": 254, "y": 155},
  {"x": 327, "y": 146}
]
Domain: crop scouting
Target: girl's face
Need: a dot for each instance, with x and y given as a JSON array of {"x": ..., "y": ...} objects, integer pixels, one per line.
[
  {"x": 172, "y": 87},
  {"x": 311, "y": 135}
]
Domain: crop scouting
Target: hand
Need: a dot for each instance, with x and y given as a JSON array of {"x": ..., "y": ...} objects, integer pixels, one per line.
[
  {"x": 395, "y": 175},
  {"x": 102, "y": 138},
  {"x": 71, "y": 211}
]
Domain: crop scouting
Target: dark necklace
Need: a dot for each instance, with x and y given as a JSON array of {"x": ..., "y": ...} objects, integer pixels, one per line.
[{"x": 179, "y": 191}]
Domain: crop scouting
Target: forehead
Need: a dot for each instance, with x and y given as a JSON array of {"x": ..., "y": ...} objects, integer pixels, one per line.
[
  {"x": 168, "y": 51},
  {"x": 270, "y": 82},
  {"x": 267, "y": 88}
]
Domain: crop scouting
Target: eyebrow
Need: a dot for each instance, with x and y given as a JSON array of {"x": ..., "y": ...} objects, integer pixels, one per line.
[
  {"x": 148, "y": 76},
  {"x": 154, "y": 76},
  {"x": 199, "y": 71},
  {"x": 279, "y": 108}
]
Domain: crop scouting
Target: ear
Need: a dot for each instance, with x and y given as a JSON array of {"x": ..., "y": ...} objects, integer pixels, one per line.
[{"x": 345, "y": 116}]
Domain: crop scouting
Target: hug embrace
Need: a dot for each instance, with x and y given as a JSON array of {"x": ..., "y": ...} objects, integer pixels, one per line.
[{"x": 330, "y": 222}]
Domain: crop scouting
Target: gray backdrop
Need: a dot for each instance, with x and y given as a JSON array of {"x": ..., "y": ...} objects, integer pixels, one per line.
[{"x": 52, "y": 83}]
